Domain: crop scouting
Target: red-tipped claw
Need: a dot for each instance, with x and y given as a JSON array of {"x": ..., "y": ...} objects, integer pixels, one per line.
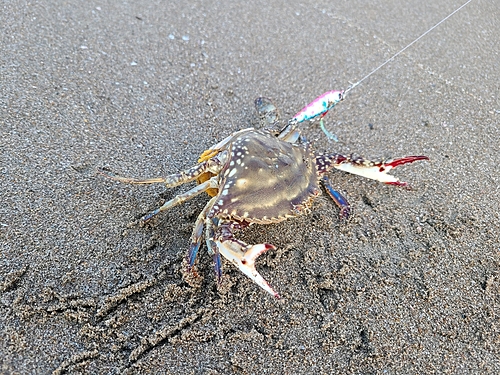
[
  {"x": 405, "y": 160},
  {"x": 377, "y": 170},
  {"x": 244, "y": 258}
]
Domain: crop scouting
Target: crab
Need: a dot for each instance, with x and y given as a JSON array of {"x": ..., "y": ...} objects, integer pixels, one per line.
[{"x": 260, "y": 176}]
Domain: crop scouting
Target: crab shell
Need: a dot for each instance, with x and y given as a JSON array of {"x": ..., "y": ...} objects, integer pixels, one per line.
[{"x": 265, "y": 180}]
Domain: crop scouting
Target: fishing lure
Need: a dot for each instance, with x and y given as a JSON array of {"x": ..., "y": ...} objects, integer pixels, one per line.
[
  {"x": 320, "y": 106},
  {"x": 318, "y": 109}
]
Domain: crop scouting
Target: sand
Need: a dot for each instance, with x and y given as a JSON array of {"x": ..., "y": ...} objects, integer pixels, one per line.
[{"x": 409, "y": 285}]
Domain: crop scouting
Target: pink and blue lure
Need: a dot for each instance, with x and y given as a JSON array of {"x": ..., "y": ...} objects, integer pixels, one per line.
[{"x": 318, "y": 109}]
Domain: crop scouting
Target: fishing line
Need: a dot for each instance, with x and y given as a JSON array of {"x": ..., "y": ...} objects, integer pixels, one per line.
[
  {"x": 408, "y": 46},
  {"x": 320, "y": 106}
]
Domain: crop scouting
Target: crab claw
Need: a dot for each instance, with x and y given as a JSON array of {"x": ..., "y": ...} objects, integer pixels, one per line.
[
  {"x": 377, "y": 170},
  {"x": 244, "y": 258}
]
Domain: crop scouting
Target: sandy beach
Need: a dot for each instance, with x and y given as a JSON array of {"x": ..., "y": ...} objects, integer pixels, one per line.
[{"x": 410, "y": 284}]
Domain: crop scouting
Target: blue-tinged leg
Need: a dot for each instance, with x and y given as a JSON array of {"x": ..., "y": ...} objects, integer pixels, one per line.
[
  {"x": 211, "y": 224},
  {"x": 339, "y": 199},
  {"x": 217, "y": 264},
  {"x": 150, "y": 215},
  {"x": 195, "y": 244},
  {"x": 198, "y": 234}
]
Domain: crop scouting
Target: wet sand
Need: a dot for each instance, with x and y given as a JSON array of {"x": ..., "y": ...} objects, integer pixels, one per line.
[{"x": 409, "y": 285}]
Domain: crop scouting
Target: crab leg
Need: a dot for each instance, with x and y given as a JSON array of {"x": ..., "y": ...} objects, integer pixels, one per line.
[
  {"x": 196, "y": 240},
  {"x": 198, "y": 233},
  {"x": 289, "y": 133},
  {"x": 339, "y": 199},
  {"x": 213, "y": 248},
  {"x": 365, "y": 168},
  {"x": 214, "y": 150},
  {"x": 242, "y": 255},
  {"x": 213, "y": 165},
  {"x": 181, "y": 198}
]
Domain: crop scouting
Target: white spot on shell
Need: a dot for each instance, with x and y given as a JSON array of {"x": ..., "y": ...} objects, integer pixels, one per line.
[
  {"x": 224, "y": 192},
  {"x": 220, "y": 202},
  {"x": 232, "y": 173},
  {"x": 241, "y": 182}
]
